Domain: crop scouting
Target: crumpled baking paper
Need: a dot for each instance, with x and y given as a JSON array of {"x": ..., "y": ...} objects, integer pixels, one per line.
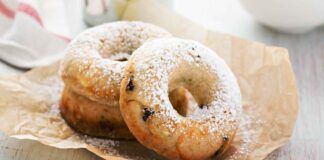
[{"x": 29, "y": 102}]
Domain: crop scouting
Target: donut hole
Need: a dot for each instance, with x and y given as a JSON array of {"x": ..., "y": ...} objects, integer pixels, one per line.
[
  {"x": 191, "y": 89},
  {"x": 183, "y": 101},
  {"x": 120, "y": 57}
]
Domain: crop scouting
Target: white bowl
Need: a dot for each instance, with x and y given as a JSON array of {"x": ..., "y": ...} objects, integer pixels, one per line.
[{"x": 291, "y": 16}]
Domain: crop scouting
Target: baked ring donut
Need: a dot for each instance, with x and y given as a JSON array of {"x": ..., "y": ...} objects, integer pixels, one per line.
[
  {"x": 95, "y": 59},
  {"x": 160, "y": 66},
  {"x": 92, "y": 73}
]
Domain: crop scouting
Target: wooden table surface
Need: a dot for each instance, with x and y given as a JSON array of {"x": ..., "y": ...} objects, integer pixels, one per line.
[{"x": 306, "y": 55}]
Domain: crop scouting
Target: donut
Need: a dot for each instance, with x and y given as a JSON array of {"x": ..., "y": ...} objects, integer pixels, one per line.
[
  {"x": 91, "y": 117},
  {"x": 163, "y": 65},
  {"x": 95, "y": 59},
  {"x": 92, "y": 72}
]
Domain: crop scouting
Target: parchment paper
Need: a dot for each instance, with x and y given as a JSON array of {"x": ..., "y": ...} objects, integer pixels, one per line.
[{"x": 28, "y": 102}]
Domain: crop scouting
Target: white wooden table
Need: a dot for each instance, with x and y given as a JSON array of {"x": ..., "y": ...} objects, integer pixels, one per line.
[{"x": 306, "y": 54}]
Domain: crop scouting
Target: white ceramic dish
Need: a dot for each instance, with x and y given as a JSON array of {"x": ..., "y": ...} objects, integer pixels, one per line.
[{"x": 291, "y": 16}]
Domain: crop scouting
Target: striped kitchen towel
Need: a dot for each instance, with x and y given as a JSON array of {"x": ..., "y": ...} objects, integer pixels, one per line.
[{"x": 33, "y": 32}]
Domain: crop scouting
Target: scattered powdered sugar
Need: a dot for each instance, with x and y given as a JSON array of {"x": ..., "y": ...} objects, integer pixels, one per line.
[
  {"x": 107, "y": 145},
  {"x": 93, "y": 58},
  {"x": 85, "y": 63},
  {"x": 118, "y": 148},
  {"x": 246, "y": 132},
  {"x": 124, "y": 149},
  {"x": 156, "y": 60}
]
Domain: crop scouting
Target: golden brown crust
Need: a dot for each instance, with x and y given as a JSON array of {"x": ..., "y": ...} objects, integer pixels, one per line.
[
  {"x": 152, "y": 76},
  {"x": 92, "y": 71},
  {"x": 95, "y": 59},
  {"x": 92, "y": 118}
]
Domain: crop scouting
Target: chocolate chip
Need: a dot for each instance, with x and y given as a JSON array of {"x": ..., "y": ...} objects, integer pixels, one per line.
[
  {"x": 130, "y": 86},
  {"x": 193, "y": 48},
  {"x": 198, "y": 56},
  {"x": 225, "y": 138},
  {"x": 147, "y": 113}
]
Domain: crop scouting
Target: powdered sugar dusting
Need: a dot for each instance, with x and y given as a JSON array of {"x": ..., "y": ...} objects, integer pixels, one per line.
[
  {"x": 125, "y": 149},
  {"x": 246, "y": 130},
  {"x": 91, "y": 59},
  {"x": 245, "y": 135},
  {"x": 107, "y": 145},
  {"x": 156, "y": 60}
]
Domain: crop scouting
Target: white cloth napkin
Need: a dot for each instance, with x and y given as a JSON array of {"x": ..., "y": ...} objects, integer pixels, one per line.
[{"x": 33, "y": 32}]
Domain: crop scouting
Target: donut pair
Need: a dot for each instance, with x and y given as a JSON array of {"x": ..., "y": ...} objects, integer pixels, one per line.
[{"x": 153, "y": 90}]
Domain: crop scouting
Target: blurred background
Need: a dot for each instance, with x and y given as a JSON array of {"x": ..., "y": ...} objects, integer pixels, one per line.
[
  {"x": 294, "y": 24},
  {"x": 34, "y": 32}
]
